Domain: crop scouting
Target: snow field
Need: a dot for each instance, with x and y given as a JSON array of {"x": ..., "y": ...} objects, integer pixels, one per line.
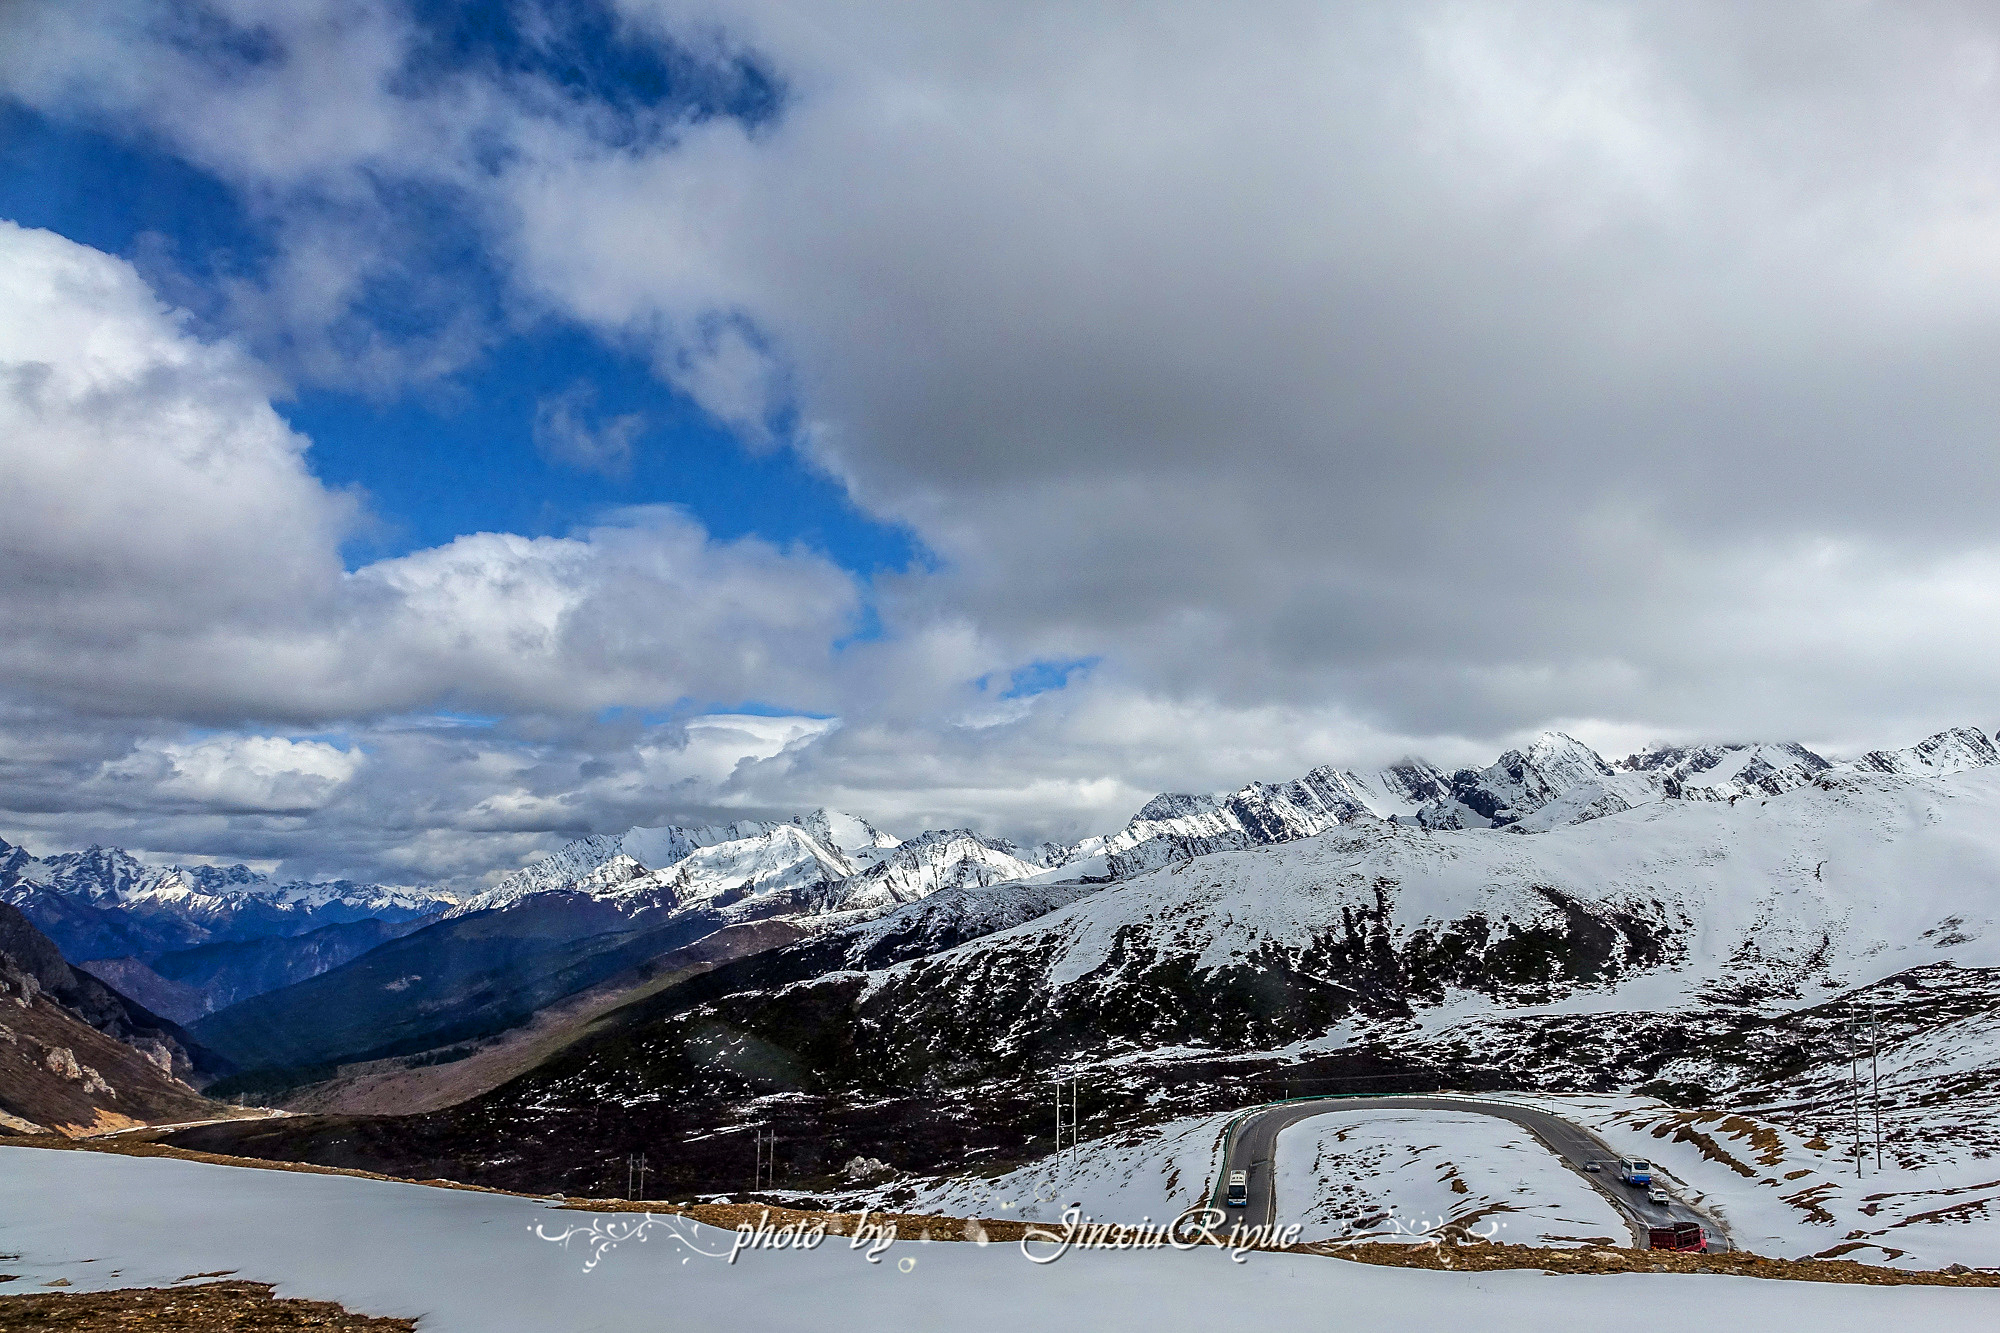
[
  {"x": 1386, "y": 1175},
  {"x": 1791, "y": 1193},
  {"x": 1154, "y": 1173},
  {"x": 467, "y": 1262}
]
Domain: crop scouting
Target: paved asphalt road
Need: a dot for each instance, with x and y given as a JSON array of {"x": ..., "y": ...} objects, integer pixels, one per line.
[{"x": 1254, "y": 1150}]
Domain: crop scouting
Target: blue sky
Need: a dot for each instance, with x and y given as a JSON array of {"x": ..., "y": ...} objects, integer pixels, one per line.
[{"x": 456, "y": 455}]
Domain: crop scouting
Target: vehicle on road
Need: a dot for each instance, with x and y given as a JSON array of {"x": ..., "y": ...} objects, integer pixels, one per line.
[
  {"x": 1593, "y": 1166},
  {"x": 1635, "y": 1171},
  {"x": 1685, "y": 1237},
  {"x": 1238, "y": 1195},
  {"x": 1659, "y": 1196}
]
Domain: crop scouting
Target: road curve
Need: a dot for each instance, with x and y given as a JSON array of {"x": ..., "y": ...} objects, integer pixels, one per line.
[{"x": 1253, "y": 1149}]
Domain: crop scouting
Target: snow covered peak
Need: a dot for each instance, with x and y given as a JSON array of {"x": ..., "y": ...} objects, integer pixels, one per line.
[
  {"x": 836, "y": 841},
  {"x": 113, "y": 877},
  {"x": 132, "y": 907},
  {"x": 558, "y": 870},
  {"x": 1952, "y": 751},
  {"x": 743, "y": 874},
  {"x": 1520, "y": 783},
  {"x": 1402, "y": 789},
  {"x": 1722, "y": 772},
  {"x": 940, "y": 859},
  {"x": 1564, "y": 760},
  {"x": 98, "y": 874},
  {"x": 1178, "y": 805}
]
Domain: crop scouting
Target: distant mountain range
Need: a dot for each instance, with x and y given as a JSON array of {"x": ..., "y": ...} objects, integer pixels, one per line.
[
  {"x": 104, "y": 902},
  {"x": 299, "y": 979},
  {"x": 1704, "y": 925}
]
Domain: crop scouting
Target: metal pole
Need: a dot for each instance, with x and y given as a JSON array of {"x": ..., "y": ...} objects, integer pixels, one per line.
[
  {"x": 1854, "y": 1083},
  {"x": 1875, "y": 1075}
]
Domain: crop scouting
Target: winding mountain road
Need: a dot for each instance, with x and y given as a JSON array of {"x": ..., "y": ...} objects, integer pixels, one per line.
[{"x": 1253, "y": 1149}]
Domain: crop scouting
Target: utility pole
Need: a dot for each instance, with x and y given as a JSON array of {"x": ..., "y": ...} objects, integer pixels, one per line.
[
  {"x": 643, "y": 1169},
  {"x": 1066, "y": 1125},
  {"x": 1854, "y": 1083},
  {"x": 1875, "y": 1074},
  {"x": 766, "y": 1170}
]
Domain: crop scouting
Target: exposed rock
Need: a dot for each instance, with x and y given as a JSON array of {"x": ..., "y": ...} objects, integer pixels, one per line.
[
  {"x": 859, "y": 1169},
  {"x": 61, "y": 1061}
]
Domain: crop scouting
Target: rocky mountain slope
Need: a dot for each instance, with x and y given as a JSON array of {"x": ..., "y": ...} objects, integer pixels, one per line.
[{"x": 77, "y": 1057}]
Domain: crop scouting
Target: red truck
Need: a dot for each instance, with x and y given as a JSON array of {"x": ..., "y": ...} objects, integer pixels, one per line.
[{"x": 1686, "y": 1237}]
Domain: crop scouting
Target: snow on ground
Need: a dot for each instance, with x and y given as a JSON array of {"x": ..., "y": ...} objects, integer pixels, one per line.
[
  {"x": 1388, "y": 1174},
  {"x": 473, "y": 1263},
  {"x": 1792, "y": 1192},
  {"x": 1150, "y": 1174}
]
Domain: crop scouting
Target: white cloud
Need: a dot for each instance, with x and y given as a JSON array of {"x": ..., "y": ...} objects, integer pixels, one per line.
[
  {"x": 167, "y": 550},
  {"x": 1349, "y": 378},
  {"x": 236, "y": 773}
]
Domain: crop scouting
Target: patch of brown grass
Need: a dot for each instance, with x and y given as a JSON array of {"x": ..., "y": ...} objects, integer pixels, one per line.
[{"x": 213, "y": 1307}]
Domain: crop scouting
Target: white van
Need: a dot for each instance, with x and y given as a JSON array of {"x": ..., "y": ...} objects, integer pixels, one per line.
[{"x": 1238, "y": 1194}]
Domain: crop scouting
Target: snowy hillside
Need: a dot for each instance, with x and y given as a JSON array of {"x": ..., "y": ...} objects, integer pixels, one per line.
[
  {"x": 1399, "y": 1174},
  {"x": 1755, "y": 907}
]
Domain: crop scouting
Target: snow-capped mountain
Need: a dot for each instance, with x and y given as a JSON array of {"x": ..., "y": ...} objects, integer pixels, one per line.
[
  {"x": 1723, "y": 772},
  {"x": 1757, "y": 906},
  {"x": 104, "y": 902},
  {"x": 815, "y": 865},
  {"x": 926, "y": 864},
  {"x": 639, "y": 869},
  {"x": 754, "y": 875},
  {"x": 1555, "y": 781},
  {"x": 1951, "y": 751},
  {"x": 1177, "y": 826}
]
